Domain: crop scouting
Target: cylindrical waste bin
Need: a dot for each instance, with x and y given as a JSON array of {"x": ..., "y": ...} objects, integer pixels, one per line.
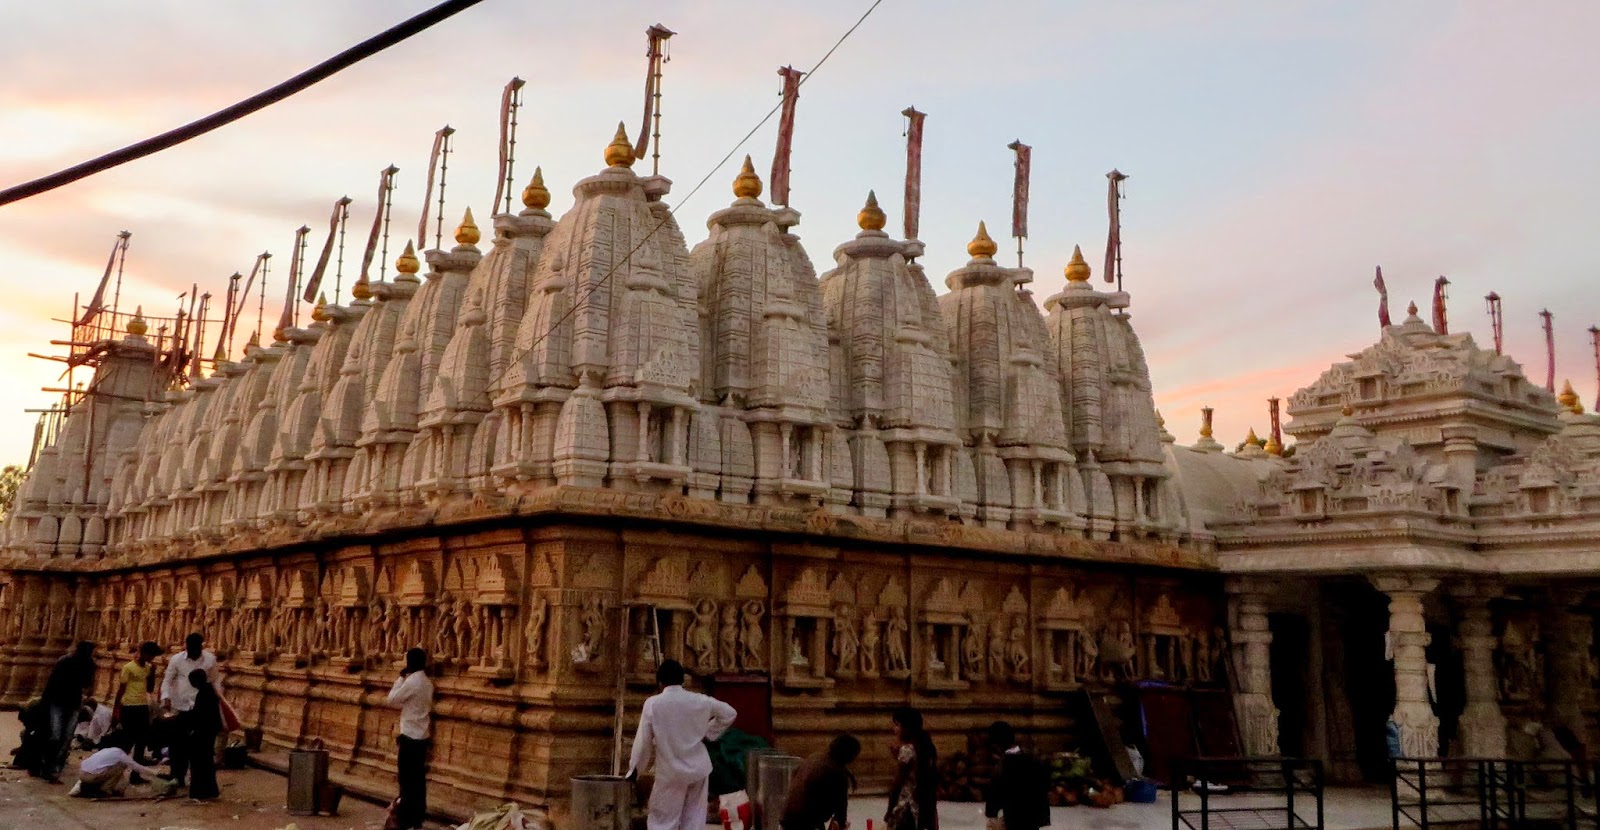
[
  {"x": 602, "y": 802},
  {"x": 752, "y": 781},
  {"x": 775, "y": 773}
]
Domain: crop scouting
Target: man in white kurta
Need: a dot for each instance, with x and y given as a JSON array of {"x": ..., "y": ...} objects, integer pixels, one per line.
[{"x": 672, "y": 729}]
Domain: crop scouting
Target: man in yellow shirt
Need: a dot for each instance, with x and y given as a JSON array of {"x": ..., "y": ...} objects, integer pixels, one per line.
[{"x": 131, "y": 704}]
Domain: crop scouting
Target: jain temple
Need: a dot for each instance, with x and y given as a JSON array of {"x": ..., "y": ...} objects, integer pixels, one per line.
[{"x": 554, "y": 455}]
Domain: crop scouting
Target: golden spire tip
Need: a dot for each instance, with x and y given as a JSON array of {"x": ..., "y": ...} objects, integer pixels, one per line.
[
  {"x": 408, "y": 263},
  {"x": 619, "y": 153},
  {"x": 981, "y": 245},
  {"x": 871, "y": 217},
  {"x": 747, "y": 185},
  {"x": 1077, "y": 270},
  {"x": 467, "y": 232},
  {"x": 536, "y": 196},
  {"x": 138, "y": 325}
]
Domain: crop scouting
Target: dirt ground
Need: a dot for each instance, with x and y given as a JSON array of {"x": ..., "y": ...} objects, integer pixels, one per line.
[{"x": 252, "y": 799}]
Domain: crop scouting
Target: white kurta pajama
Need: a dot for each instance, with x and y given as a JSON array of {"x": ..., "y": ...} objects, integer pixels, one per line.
[{"x": 672, "y": 729}]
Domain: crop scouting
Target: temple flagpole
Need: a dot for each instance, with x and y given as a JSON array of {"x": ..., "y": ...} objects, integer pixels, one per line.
[
  {"x": 1441, "y": 319},
  {"x": 1549, "y": 350},
  {"x": 913, "y": 198},
  {"x": 1113, "y": 271},
  {"x": 1383, "y": 299},
  {"x": 1019, "y": 193},
  {"x": 780, "y": 157},
  {"x": 1496, "y": 320}
]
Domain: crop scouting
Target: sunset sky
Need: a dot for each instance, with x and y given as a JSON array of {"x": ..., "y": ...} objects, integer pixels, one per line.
[{"x": 1277, "y": 152}]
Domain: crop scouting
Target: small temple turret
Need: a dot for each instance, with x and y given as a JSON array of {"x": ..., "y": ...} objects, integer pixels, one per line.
[{"x": 891, "y": 373}]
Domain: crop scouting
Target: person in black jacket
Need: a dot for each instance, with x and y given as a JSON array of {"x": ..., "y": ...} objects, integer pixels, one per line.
[
  {"x": 819, "y": 796},
  {"x": 63, "y": 697},
  {"x": 202, "y": 738},
  {"x": 1018, "y": 797}
]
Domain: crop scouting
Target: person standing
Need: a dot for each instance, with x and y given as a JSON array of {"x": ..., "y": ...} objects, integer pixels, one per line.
[
  {"x": 1018, "y": 797},
  {"x": 819, "y": 797},
  {"x": 412, "y": 694},
  {"x": 673, "y": 729},
  {"x": 63, "y": 697},
  {"x": 178, "y": 696},
  {"x": 205, "y": 723},
  {"x": 913, "y": 798},
  {"x": 131, "y": 702}
]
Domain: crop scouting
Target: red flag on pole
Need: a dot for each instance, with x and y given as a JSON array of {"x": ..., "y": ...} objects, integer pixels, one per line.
[
  {"x": 441, "y": 144},
  {"x": 913, "y": 170},
  {"x": 657, "y": 35},
  {"x": 1441, "y": 322},
  {"x": 1113, "y": 271},
  {"x": 385, "y": 184},
  {"x": 1383, "y": 299},
  {"x": 780, "y": 158},
  {"x": 341, "y": 209},
  {"x": 97, "y": 302},
  {"x": 1019, "y": 189},
  {"x": 509, "y": 101}
]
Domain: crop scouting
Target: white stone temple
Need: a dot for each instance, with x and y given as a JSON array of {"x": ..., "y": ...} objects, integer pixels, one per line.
[{"x": 841, "y": 492}]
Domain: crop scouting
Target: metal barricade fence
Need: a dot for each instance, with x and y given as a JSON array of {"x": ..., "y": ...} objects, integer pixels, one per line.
[{"x": 1261, "y": 794}]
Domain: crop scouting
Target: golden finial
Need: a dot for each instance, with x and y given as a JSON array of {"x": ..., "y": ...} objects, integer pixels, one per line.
[
  {"x": 1347, "y": 411},
  {"x": 1272, "y": 446},
  {"x": 467, "y": 232},
  {"x": 536, "y": 195},
  {"x": 747, "y": 185},
  {"x": 1205, "y": 421},
  {"x": 1411, "y": 309},
  {"x": 362, "y": 290},
  {"x": 1569, "y": 399},
  {"x": 408, "y": 263},
  {"x": 254, "y": 342},
  {"x": 1077, "y": 269},
  {"x": 138, "y": 326},
  {"x": 871, "y": 217},
  {"x": 320, "y": 312},
  {"x": 1251, "y": 440},
  {"x": 619, "y": 153},
  {"x": 981, "y": 245}
]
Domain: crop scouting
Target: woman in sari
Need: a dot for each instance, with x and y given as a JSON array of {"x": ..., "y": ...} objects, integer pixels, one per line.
[{"x": 913, "y": 799}]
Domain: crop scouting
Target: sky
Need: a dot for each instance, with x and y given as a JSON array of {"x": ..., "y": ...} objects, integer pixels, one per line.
[{"x": 1277, "y": 153}]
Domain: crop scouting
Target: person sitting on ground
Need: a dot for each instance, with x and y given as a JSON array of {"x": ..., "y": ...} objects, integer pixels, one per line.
[
  {"x": 819, "y": 798},
  {"x": 35, "y": 718},
  {"x": 105, "y": 774},
  {"x": 93, "y": 724},
  {"x": 1019, "y": 795}
]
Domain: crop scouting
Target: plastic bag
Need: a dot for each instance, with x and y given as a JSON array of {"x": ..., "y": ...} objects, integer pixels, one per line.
[{"x": 735, "y": 810}]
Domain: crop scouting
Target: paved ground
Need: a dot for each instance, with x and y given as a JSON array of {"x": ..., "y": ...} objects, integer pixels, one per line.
[{"x": 253, "y": 800}]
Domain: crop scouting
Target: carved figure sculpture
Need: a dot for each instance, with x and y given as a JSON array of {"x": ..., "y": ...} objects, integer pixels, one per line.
[
  {"x": 797, "y": 655},
  {"x": 533, "y": 631},
  {"x": 870, "y": 638},
  {"x": 845, "y": 645},
  {"x": 594, "y": 628},
  {"x": 728, "y": 640},
  {"x": 378, "y": 630},
  {"x": 1088, "y": 656},
  {"x": 445, "y": 635},
  {"x": 972, "y": 648},
  {"x": 467, "y": 631},
  {"x": 320, "y": 621},
  {"x": 753, "y": 640},
  {"x": 894, "y": 638},
  {"x": 1018, "y": 644},
  {"x": 703, "y": 636},
  {"x": 997, "y": 649}
]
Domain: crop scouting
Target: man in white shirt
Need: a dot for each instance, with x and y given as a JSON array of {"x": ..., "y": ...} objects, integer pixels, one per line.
[
  {"x": 412, "y": 694},
  {"x": 177, "y": 697},
  {"x": 673, "y": 729},
  {"x": 93, "y": 728},
  {"x": 105, "y": 773}
]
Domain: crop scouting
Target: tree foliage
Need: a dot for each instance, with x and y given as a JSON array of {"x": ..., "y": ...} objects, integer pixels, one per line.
[{"x": 11, "y": 478}]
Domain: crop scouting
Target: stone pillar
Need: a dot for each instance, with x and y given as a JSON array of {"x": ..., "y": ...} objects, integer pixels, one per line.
[
  {"x": 1408, "y": 640},
  {"x": 1570, "y": 635},
  {"x": 1252, "y": 639},
  {"x": 1483, "y": 724}
]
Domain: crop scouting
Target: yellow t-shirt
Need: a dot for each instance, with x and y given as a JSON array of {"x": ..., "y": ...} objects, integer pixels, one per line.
[{"x": 134, "y": 680}]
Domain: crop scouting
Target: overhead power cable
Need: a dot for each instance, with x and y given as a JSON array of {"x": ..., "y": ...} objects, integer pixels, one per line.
[
  {"x": 321, "y": 71},
  {"x": 582, "y": 298}
]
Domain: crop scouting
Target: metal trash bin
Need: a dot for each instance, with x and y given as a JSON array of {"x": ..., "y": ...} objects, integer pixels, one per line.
[
  {"x": 308, "y": 775},
  {"x": 602, "y": 802},
  {"x": 752, "y": 781},
  {"x": 774, "y": 774}
]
